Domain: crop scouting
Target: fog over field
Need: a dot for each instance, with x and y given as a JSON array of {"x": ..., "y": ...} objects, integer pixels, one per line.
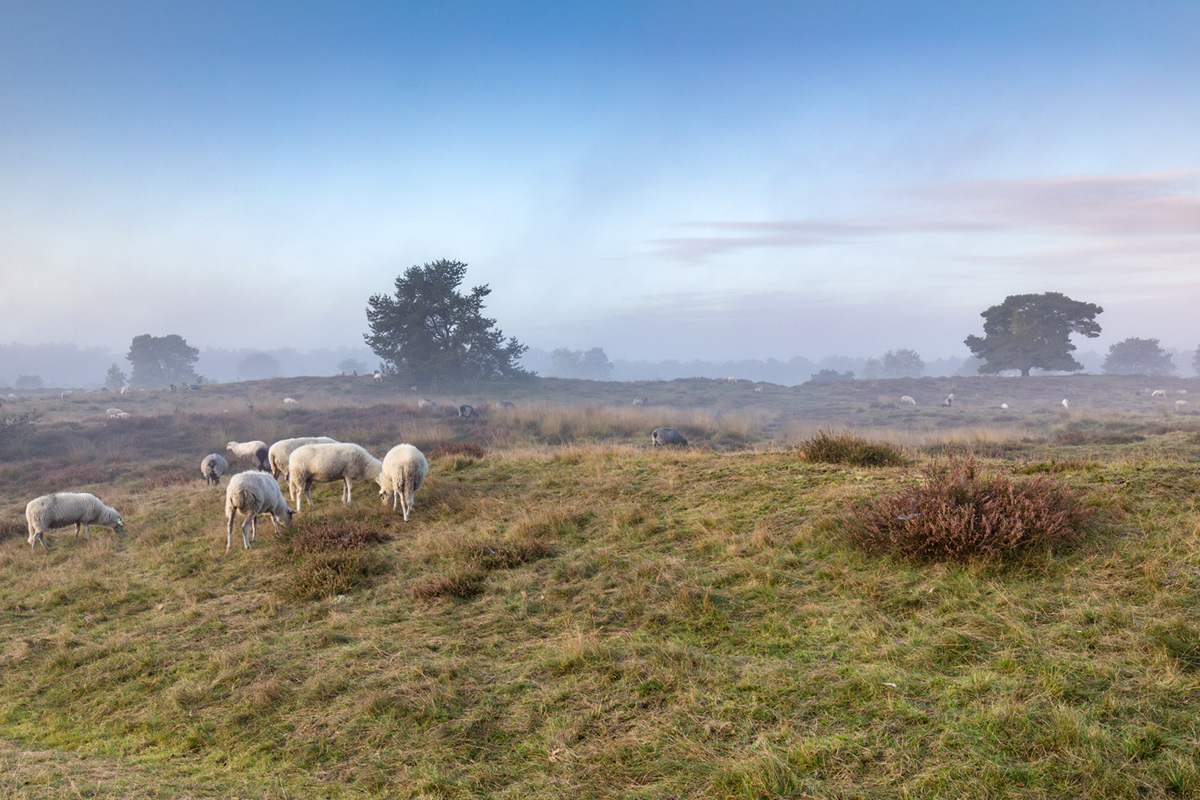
[{"x": 671, "y": 182}]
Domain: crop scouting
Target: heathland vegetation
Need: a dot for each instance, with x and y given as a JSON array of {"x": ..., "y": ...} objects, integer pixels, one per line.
[{"x": 572, "y": 613}]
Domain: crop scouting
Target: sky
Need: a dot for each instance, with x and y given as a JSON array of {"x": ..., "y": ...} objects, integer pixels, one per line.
[{"x": 687, "y": 180}]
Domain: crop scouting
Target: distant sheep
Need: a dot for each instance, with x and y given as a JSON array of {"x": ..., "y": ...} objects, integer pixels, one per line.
[
  {"x": 505, "y": 404},
  {"x": 281, "y": 451},
  {"x": 905, "y": 400},
  {"x": 256, "y": 451},
  {"x": 467, "y": 411},
  {"x": 68, "y": 508},
  {"x": 1065, "y": 404},
  {"x": 1159, "y": 393},
  {"x": 1180, "y": 404},
  {"x": 1181, "y": 391},
  {"x": 66, "y": 395},
  {"x": 404, "y": 470},
  {"x": 122, "y": 415},
  {"x": 112, "y": 413},
  {"x": 1004, "y": 406},
  {"x": 213, "y": 467},
  {"x": 124, "y": 390},
  {"x": 253, "y": 493},
  {"x": 377, "y": 377},
  {"x": 758, "y": 389},
  {"x": 425, "y": 404},
  {"x": 639, "y": 401},
  {"x": 290, "y": 401},
  {"x": 949, "y": 401},
  {"x": 667, "y": 436},
  {"x": 325, "y": 463}
]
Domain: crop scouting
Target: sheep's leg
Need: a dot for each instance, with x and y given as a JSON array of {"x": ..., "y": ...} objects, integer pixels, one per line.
[
  {"x": 346, "y": 490},
  {"x": 308, "y": 494},
  {"x": 77, "y": 524},
  {"x": 246, "y": 530},
  {"x": 86, "y": 533},
  {"x": 275, "y": 522},
  {"x": 229, "y": 531}
]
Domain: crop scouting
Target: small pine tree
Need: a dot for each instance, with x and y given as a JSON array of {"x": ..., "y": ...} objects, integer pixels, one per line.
[{"x": 114, "y": 379}]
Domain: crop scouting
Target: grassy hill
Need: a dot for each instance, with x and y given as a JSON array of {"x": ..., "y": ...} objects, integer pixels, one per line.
[{"x": 571, "y": 613}]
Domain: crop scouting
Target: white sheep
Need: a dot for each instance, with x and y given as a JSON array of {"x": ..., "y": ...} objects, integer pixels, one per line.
[
  {"x": 1065, "y": 404},
  {"x": 256, "y": 451},
  {"x": 1180, "y": 404},
  {"x": 1159, "y": 393},
  {"x": 377, "y": 377},
  {"x": 905, "y": 400},
  {"x": 1004, "y": 406},
  {"x": 213, "y": 467},
  {"x": 1181, "y": 391},
  {"x": 325, "y": 463},
  {"x": 290, "y": 401},
  {"x": 253, "y": 493},
  {"x": 281, "y": 451},
  {"x": 425, "y": 404},
  {"x": 124, "y": 390},
  {"x": 949, "y": 401},
  {"x": 122, "y": 415},
  {"x": 68, "y": 508},
  {"x": 404, "y": 470},
  {"x": 112, "y": 413}
]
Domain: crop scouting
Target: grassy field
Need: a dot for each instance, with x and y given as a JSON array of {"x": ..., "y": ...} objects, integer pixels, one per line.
[{"x": 571, "y": 613}]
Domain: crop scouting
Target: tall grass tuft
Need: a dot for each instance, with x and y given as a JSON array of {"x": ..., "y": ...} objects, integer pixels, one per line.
[
  {"x": 960, "y": 514},
  {"x": 827, "y": 447}
]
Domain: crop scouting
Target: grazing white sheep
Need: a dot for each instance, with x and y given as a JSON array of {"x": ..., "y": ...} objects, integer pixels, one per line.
[
  {"x": 639, "y": 401},
  {"x": 758, "y": 389},
  {"x": 1004, "y": 406},
  {"x": 325, "y": 463},
  {"x": 253, "y": 493},
  {"x": 256, "y": 451},
  {"x": 68, "y": 508},
  {"x": 425, "y": 404},
  {"x": 213, "y": 467},
  {"x": 404, "y": 470},
  {"x": 949, "y": 401},
  {"x": 281, "y": 451},
  {"x": 122, "y": 415},
  {"x": 112, "y": 412},
  {"x": 66, "y": 395},
  {"x": 124, "y": 390},
  {"x": 1065, "y": 404},
  {"x": 377, "y": 377},
  {"x": 1179, "y": 404},
  {"x": 1159, "y": 393},
  {"x": 290, "y": 401},
  {"x": 1181, "y": 391},
  {"x": 667, "y": 436},
  {"x": 907, "y": 401}
]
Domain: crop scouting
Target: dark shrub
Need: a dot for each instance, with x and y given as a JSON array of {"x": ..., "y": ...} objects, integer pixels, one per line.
[
  {"x": 327, "y": 557},
  {"x": 444, "y": 448},
  {"x": 465, "y": 584},
  {"x": 959, "y": 514},
  {"x": 846, "y": 448}
]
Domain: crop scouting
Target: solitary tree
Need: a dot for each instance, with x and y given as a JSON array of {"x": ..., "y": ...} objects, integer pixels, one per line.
[
  {"x": 257, "y": 366},
  {"x": 902, "y": 364},
  {"x": 160, "y": 360},
  {"x": 1033, "y": 331},
  {"x": 1196, "y": 360},
  {"x": 114, "y": 379},
  {"x": 1135, "y": 356},
  {"x": 429, "y": 330},
  {"x": 592, "y": 364}
]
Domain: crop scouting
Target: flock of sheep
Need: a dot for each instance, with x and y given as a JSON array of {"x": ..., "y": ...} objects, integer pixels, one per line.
[{"x": 300, "y": 462}]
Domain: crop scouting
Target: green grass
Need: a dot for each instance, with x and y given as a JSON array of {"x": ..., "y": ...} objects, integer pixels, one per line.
[{"x": 592, "y": 618}]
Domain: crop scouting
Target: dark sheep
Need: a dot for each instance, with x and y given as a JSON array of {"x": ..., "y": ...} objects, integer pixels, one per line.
[
  {"x": 667, "y": 436},
  {"x": 467, "y": 411}
]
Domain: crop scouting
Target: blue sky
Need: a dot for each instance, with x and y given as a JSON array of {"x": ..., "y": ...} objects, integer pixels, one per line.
[{"x": 664, "y": 180}]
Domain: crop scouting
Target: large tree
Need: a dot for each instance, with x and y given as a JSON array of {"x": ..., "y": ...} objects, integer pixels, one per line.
[
  {"x": 1033, "y": 331},
  {"x": 1135, "y": 356},
  {"x": 592, "y": 364},
  {"x": 428, "y": 330},
  {"x": 161, "y": 360}
]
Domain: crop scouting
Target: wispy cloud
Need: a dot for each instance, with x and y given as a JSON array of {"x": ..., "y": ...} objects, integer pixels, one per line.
[{"x": 1095, "y": 207}]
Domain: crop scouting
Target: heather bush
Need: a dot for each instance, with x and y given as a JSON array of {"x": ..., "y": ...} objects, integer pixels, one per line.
[
  {"x": 845, "y": 448},
  {"x": 445, "y": 448},
  {"x": 958, "y": 513},
  {"x": 463, "y": 584},
  {"x": 327, "y": 557}
]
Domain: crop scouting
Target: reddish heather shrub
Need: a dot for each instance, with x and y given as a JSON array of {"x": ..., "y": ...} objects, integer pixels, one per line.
[
  {"x": 959, "y": 514},
  {"x": 329, "y": 535},
  {"x": 327, "y": 557},
  {"x": 489, "y": 556},
  {"x": 174, "y": 476}
]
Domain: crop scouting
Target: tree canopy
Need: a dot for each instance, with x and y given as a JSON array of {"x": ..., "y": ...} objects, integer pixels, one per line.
[
  {"x": 1033, "y": 331},
  {"x": 429, "y": 330},
  {"x": 161, "y": 360},
  {"x": 591, "y": 364},
  {"x": 1135, "y": 356}
]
